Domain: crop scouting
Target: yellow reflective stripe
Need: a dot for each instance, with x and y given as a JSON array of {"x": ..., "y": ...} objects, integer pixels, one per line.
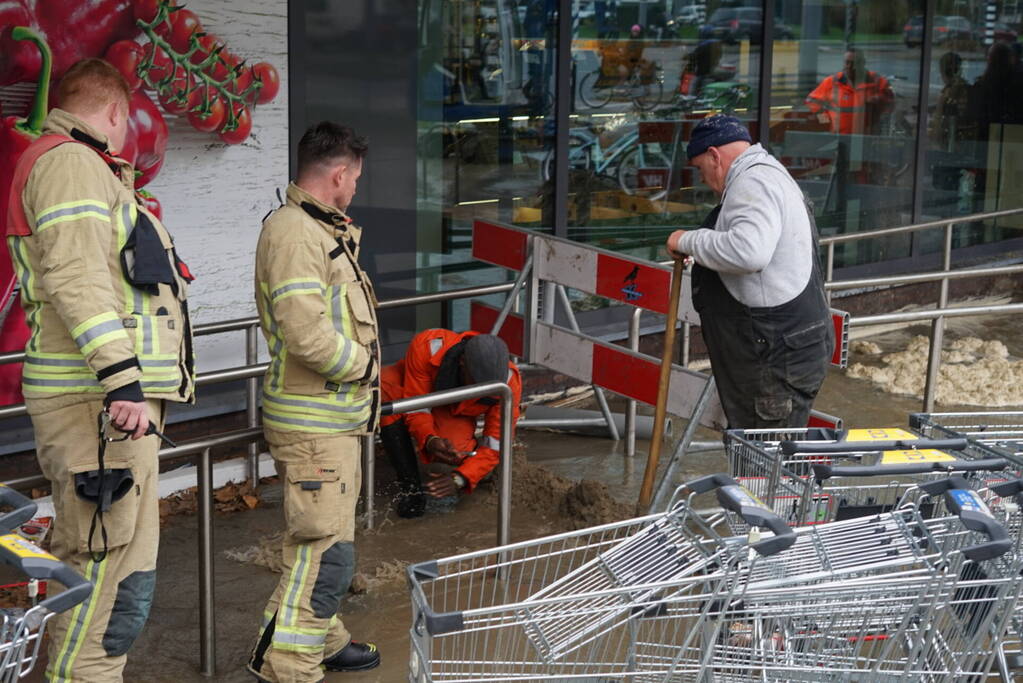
[
  {"x": 97, "y": 331},
  {"x": 76, "y": 633},
  {"x": 296, "y": 581},
  {"x": 314, "y": 423},
  {"x": 72, "y": 211},
  {"x": 341, "y": 362},
  {"x": 300, "y": 285},
  {"x": 296, "y": 639}
]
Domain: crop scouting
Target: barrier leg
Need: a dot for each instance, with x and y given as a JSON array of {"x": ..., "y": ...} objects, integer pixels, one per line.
[
  {"x": 683, "y": 446},
  {"x": 630, "y": 408},
  {"x": 252, "y": 404},
  {"x": 612, "y": 428},
  {"x": 513, "y": 295}
]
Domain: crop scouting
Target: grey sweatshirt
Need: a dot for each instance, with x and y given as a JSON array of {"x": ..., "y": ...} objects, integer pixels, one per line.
[{"x": 761, "y": 244}]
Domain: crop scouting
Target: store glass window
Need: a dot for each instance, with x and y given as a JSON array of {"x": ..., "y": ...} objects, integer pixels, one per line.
[
  {"x": 974, "y": 157},
  {"x": 844, "y": 98},
  {"x": 485, "y": 112},
  {"x": 643, "y": 74}
]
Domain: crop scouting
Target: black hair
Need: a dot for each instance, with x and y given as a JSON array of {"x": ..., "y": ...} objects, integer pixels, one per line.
[{"x": 327, "y": 141}]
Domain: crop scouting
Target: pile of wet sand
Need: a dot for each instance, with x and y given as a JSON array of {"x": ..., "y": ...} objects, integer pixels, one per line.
[{"x": 973, "y": 372}]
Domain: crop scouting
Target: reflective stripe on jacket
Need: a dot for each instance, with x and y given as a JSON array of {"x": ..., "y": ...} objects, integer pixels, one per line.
[
  {"x": 316, "y": 308},
  {"x": 421, "y": 365},
  {"x": 92, "y": 332}
]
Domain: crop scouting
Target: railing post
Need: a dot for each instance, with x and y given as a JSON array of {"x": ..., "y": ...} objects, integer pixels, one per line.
[
  {"x": 252, "y": 403},
  {"x": 630, "y": 407},
  {"x": 938, "y": 329},
  {"x": 207, "y": 622},
  {"x": 504, "y": 499},
  {"x": 369, "y": 477}
]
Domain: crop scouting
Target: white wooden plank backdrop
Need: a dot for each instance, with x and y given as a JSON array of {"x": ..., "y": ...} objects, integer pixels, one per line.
[{"x": 214, "y": 195}]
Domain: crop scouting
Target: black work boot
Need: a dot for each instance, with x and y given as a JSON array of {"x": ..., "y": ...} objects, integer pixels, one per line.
[
  {"x": 411, "y": 501},
  {"x": 354, "y": 657}
]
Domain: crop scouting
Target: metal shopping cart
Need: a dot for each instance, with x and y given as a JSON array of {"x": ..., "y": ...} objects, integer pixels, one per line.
[
  {"x": 566, "y": 607},
  {"x": 812, "y": 476},
  {"x": 896, "y": 596},
  {"x": 1001, "y": 431},
  {"x": 665, "y": 598},
  {"x": 21, "y": 631}
]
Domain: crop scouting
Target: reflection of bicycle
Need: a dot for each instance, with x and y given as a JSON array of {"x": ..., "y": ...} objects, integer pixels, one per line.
[
  {"x": 625, "y": 160},
  {"x": 644, "y": 87}
]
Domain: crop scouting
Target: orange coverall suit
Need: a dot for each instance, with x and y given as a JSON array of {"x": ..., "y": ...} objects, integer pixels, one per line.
[
  {"x": 849, "y": 107},
  {"x": 415, "y": 375}
]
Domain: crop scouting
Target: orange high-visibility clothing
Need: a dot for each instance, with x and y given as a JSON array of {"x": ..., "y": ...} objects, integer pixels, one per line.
[
  {"x": 415, "y": 375},
  {"x": 852, "y": 109}
]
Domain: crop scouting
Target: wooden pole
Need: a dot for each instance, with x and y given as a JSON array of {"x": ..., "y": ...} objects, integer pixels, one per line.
[{"x": 661, "y": 409}]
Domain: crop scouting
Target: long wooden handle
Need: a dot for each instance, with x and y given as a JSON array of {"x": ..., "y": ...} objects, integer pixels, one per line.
[{"x": 662, "y": 390}]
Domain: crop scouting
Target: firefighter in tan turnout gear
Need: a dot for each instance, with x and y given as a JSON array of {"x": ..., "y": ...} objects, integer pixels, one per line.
[
  {"x": 320, "y": 395},
  {"x": 104, "y": 296}
]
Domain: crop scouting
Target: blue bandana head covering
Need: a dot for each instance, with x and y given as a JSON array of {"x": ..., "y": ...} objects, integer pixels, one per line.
[{"x": 715, "y": 131}]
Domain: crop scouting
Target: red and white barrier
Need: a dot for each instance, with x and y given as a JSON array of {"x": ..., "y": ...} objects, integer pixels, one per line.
[{"x": 614, "y": 276}]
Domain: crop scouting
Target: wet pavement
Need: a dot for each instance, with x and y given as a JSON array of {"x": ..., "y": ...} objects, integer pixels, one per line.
[{"x": 168, "y": 650}]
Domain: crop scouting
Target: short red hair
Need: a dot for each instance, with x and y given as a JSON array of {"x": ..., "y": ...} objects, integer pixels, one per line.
[{"x": 91, "y": 84}]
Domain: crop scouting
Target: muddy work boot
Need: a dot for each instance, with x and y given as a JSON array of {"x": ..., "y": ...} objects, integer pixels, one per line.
[
  {"x": 354, "y": 657},
  {"x": 396, "y": 440}
]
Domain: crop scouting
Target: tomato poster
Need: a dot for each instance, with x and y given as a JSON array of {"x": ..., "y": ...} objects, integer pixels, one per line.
[{"x": 208, "y": 129}]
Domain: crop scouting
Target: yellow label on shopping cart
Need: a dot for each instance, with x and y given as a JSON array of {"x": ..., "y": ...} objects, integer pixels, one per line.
[
  {"x": 881, "y": 434},
  {"x": 24, "y": 548},
  {"x": 910, "y": 456}
]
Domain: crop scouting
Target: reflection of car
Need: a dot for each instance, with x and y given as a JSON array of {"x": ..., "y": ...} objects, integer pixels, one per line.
[
  {"x": 733, "y": 24},
  {"x": 946, "y": 29},
  {"x": 691, "y": 14},
  {"x": 952, "y": 28},
  {"x": 913, "y": 31},
  {"x": 1005, "y": 33}
]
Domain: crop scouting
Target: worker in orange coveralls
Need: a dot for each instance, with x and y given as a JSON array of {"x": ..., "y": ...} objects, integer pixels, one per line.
[
  {"x": 454, "y": 459},
  {"x": 853, "y": 100}
]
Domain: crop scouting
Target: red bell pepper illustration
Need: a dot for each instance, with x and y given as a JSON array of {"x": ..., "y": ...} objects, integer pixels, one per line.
[
  {"x": 16, "y": 134},
  {"x": 73, "y": 30}
]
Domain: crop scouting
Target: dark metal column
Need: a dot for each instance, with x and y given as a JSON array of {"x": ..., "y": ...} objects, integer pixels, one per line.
[
  {"x": 296, "y": 79},
  {"x": 562, "y": 107},
  {"x": 919, "y": 168},
  {"x": 766, "y": 66}
]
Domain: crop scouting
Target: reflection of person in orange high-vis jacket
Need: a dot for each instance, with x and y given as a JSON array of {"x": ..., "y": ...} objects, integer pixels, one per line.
[
  {"x": 853, "y": 100},
  {"x": 454, "y": 458}
]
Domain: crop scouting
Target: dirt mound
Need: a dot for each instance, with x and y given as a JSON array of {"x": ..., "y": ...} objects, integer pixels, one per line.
[
  {"x": 973, "y": 372},
  {"x": 576, "y": 505}
]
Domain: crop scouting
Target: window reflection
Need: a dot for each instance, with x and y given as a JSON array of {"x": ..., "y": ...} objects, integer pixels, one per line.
[
  {"x": 975, "y": 134},
  {"x": 844, "y": 115}
]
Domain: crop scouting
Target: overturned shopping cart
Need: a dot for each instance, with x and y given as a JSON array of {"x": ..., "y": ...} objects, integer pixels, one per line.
[
  {"x": 665, "y": 598},
  {"x": 22, "y": 630}
]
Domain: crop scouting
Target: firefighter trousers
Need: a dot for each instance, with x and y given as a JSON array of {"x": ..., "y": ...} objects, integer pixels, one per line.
[
  {"x": 89, "y": 643},
  {"x": 321, "y": 479}
]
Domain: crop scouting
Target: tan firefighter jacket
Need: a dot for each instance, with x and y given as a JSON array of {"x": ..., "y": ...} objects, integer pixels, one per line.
[
  {"x": 316, "y": 306},
  {"x": 92, "y": 332}
]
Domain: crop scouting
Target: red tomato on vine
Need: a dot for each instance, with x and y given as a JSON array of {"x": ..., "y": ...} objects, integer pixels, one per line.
[{"x": 242, "y": 128}]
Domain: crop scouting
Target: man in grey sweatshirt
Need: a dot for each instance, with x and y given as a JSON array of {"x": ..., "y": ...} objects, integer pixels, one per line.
[{"x": 757, "y": 283}]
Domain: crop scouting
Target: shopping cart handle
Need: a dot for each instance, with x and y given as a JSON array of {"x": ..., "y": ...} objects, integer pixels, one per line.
[
  {"x": 737, "y": 499},
  {"x": 24, "y": 509},
  {"x": 823, "y": 471},
  {"x": 975, "y": 516},
  {"x": 1004, "y": 489},
  {"x": 793, "y": 447},
  {"x": 36, "y": 563}
]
